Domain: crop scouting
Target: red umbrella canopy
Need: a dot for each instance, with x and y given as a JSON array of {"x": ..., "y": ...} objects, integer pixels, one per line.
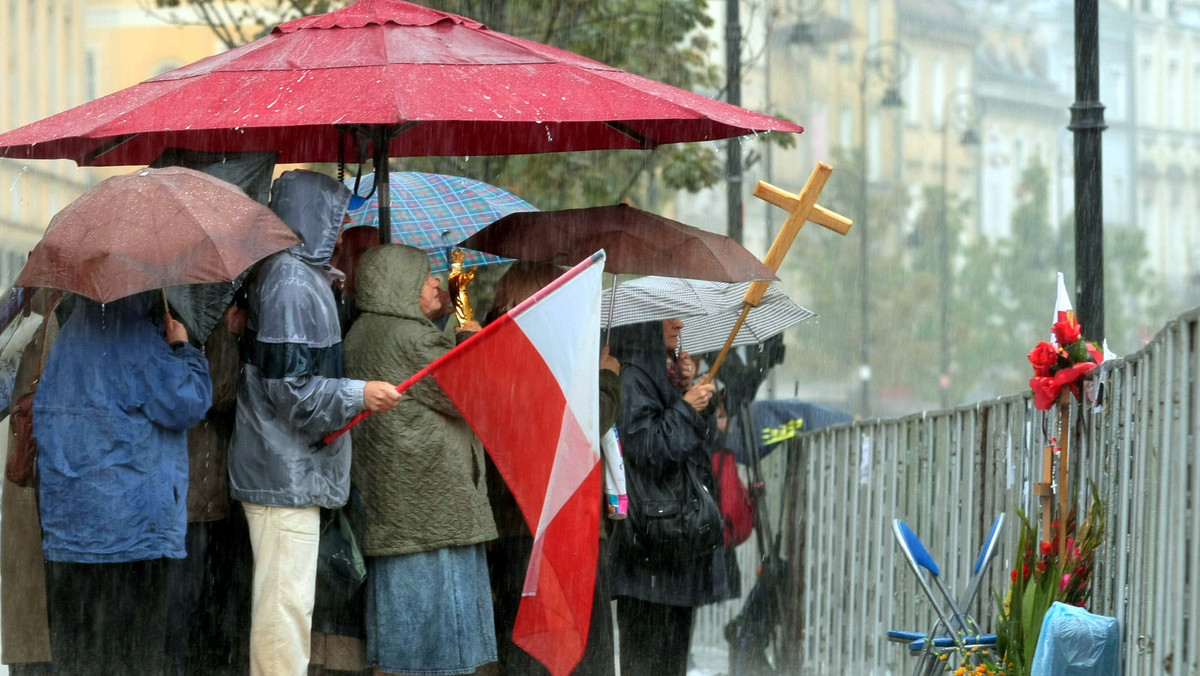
[{"x": 439, "y": 83}]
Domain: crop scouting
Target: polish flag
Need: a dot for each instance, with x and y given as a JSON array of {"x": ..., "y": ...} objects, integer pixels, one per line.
[
  {"x": 529, "y": 385},
  {"x": 1063, "y": 309}
]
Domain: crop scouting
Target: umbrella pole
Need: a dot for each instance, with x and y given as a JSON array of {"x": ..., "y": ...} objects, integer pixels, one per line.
[
  {"x": 612, "y": 306},
  {"x": 382, "y": 187},
  {"x": 381, "y": 138}
]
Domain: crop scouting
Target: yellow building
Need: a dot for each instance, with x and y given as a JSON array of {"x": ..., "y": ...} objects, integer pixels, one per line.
[{"x": 58, "y": 54}]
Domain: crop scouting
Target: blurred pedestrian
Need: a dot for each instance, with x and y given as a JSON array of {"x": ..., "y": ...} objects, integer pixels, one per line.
[
  {"x": 210, "y": 589},
  {"x": 118, "y": 393},
  {"x": 662, "y": 429},
  {"x": 290, "y": 394},
  {"x": 350, "y": 247},
  {"x": 420, "y": 473},
  {"x": 24, "y": 619}
]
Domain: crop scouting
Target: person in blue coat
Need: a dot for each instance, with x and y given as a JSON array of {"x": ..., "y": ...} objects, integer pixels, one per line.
[{"x": 118, "y": 393}]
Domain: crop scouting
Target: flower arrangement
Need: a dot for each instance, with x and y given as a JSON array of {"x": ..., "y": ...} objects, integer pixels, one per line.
[
  {"x": 1061, "y": 365},
  {"x": 1042, "y": 576}
]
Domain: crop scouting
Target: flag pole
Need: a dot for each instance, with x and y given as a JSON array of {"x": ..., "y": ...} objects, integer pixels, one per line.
[
  {"x": 802, "y": 207},
  {"x": 565, "y": 277}
]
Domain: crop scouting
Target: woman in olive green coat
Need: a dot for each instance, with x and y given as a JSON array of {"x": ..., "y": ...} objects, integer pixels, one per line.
[{"x": 420, "y": 472}]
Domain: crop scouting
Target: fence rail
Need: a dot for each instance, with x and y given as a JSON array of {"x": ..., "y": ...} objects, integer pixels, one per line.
[{"x": 949, "y": 473}]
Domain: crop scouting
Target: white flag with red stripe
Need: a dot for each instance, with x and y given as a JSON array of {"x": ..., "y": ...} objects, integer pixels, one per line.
[
  {"x": 528, "y": 384},
  {"x": 1063, "y": 309}
]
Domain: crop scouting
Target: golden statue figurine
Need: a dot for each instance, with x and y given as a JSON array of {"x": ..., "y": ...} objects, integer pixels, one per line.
[{"x": 459, "y": 280}]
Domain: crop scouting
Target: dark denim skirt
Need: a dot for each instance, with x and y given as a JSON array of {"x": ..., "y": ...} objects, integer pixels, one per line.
[{"x": 431, "y": 612}]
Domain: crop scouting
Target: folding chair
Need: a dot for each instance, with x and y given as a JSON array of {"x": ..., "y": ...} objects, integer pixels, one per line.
[{"x": 954, "y": 629}]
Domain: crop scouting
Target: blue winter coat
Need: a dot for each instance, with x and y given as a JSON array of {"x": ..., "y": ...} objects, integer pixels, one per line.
[{"x": 110, "y": 418}]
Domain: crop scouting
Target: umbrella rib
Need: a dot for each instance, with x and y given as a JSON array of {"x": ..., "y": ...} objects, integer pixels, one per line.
[
  {"x": 628, "y": 132},
  {"x": 103, "y": 149}
]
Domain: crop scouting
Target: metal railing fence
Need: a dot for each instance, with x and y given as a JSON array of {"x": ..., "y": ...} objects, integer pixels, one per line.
[{"x": 949, "y": 473}]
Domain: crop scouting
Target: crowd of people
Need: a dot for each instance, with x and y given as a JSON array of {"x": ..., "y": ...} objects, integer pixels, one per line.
[{"x": 183, "y": 492}]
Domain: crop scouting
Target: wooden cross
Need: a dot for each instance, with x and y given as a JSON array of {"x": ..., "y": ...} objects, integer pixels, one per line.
[
  {"x": 1044, "y": 489},
  {"x": 801, "y": 207}
]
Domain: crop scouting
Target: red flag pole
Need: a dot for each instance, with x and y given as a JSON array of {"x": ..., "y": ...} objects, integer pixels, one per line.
[{"x": 565, "y": 277}]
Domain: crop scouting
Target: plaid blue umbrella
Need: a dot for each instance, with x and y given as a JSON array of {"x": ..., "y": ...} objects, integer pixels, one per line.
[{"x": 435, "y": 212}]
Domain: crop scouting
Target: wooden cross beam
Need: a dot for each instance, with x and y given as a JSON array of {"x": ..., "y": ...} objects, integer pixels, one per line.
[{"x": 801, "y": 207}]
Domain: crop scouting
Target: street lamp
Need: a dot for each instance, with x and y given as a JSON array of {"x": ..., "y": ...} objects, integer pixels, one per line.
[
  {"x": 958, "y": 113},
  {"x": 887, "y": 61}
]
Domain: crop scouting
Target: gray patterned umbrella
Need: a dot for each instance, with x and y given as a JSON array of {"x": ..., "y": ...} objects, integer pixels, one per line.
[{"x": 708, "y": 309}]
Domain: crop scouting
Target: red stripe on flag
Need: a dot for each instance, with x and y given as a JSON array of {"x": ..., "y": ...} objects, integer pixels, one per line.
[
  {"x": 549, "y": 629},
  {"x": 510, "y": 398}
]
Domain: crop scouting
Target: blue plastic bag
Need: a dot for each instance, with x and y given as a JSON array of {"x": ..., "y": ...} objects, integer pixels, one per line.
[{"x": 1075, "y": 642}]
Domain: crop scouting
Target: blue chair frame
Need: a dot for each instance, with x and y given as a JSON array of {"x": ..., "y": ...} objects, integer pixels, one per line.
[{"x": 954, "y": 629}]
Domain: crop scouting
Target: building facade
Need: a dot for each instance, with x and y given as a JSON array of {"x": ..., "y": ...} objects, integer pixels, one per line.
[{"x": 58, "y": 54}]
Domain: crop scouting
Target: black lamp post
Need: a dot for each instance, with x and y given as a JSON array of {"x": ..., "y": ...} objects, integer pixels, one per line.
[
  {"x": 887, "y": 61},
  {"x": 958, "y": 113},
  {"x": 1087, "y": 121}
]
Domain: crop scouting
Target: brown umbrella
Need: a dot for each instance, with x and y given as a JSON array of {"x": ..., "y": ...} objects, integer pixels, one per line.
[
  {"x": 152, "y": 229},
  {"x": 635, "y": 242}
]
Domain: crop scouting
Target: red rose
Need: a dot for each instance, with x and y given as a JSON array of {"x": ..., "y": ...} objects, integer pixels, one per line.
[
  {"x": 1067, "y": 331},
  {"x": 1043, "y": 356},
  {"x": 1044, "y": 548}
]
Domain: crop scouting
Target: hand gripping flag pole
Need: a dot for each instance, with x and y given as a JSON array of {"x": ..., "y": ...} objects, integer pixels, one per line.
[{"x": 801, "y": 207}]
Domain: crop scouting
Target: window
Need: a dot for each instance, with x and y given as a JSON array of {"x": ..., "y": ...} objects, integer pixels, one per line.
[
  {"x": 912, "y": 95},
  {"x": 1148, "y": 94},
  {"x": 873, "y": 22},
  {"x": 937, "y": 93},
  {"x": 1195, "y": 97},
  {"x": 846, "y": 128},
  {"x": 91, "y": 73},
  {"x": 844, "y": 14},
  {"x": 1175, "y": 97},
  {"x": 1115, "y": 97},
  {"x": 874, "y": 147}
]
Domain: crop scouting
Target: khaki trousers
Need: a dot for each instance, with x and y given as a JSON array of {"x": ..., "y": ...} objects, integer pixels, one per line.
[{"x": 285, "y": 541}]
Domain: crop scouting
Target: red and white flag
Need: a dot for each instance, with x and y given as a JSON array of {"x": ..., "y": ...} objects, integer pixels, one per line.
[
  {"x": 1063, "y": 309},
  {"x": 529, "y": 385}
]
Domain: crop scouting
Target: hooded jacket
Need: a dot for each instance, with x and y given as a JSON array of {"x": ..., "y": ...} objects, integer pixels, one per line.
[
  {"x": 659, "y": 432},
  {"x": 419, "y": 468},
  {"x": 110, "y": 418},
  {"x": 291, "y": 392}
]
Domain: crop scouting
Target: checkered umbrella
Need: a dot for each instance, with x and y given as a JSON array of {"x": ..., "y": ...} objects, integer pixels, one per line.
[
  {"x": 435, "y": 212},
  {"x": 709, "y": 310}
]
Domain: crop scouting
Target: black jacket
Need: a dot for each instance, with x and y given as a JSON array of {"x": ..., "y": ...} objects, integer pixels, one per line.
[{"x": 659, "y": 432}]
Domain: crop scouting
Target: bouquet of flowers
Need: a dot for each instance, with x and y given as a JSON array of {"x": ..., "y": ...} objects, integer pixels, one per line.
[
  {"x": 1061, "y": 363},
  {"x": 1042, "y": 576}
]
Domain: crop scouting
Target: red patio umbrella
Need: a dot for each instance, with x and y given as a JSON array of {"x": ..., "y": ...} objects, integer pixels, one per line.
[{"x": 411, "y": 80}]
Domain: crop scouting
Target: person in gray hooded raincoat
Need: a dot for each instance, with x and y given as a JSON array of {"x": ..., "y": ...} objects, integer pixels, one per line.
[{"x": 291, "y": 394}]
